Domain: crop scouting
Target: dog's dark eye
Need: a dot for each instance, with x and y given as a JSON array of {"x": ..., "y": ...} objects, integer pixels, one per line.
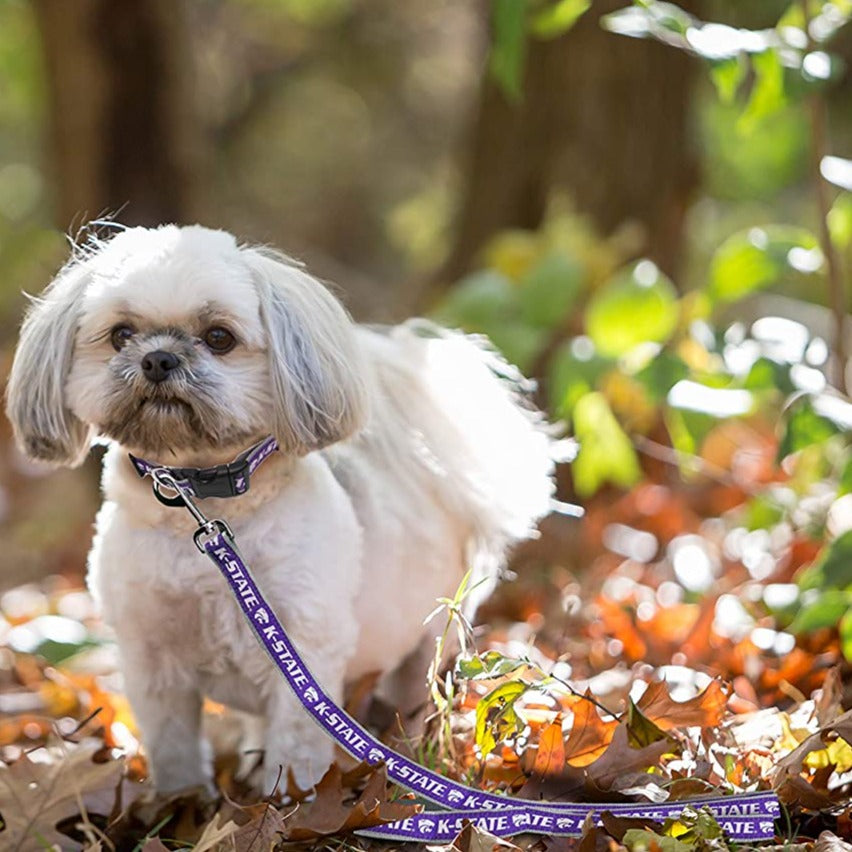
[
  {"x": 120, "y": 335},
  {"x": 219, "y": 340}
]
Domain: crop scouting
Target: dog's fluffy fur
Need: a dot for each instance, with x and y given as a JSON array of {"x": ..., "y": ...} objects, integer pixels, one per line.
[{"x": 405, "y": 459}]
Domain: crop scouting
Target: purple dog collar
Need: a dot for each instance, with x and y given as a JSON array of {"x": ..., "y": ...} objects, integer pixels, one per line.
[
  {"x": 745, "y": 817},
  {"x": 223, "y": 480}
]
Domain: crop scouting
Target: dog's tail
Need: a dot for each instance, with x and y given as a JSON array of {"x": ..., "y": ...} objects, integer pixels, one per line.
[{"x": 490, "y": 451}]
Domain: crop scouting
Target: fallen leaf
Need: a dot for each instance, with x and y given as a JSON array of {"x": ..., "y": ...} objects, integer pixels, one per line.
[
  {"x": 36, "y": 794},
  {"x": 262, "y": 832},
  {"x": 704, "y": 710},
  {"x": 216, "y": 831},
  {"x": 829, "y": 842},
  {"x": 473, "y": 839},
  {"x": 590, "y": 735},
  {"x": 620, "y": 758},
  {"x": 550, "y": 757},
  {"x": 329, "y": 814},
  {"x": 830, "y": 697},
  {"x": 641, "y": 731}
]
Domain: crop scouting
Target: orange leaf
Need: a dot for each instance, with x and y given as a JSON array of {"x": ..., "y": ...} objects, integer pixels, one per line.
[
  {"x": 704, "y": 710},
  {"x": 550, "y": 758},
  {"x": 619, "y": 622},
  {"x": 589, "y": 736}
]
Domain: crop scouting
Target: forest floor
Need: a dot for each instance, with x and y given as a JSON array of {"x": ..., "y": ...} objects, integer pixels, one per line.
[{"x": 636, "y": 655}]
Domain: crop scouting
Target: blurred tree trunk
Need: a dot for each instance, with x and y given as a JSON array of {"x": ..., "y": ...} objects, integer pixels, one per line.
[
  {"x": 604, "y": 117},
  {"x": 122, "y": 125}
]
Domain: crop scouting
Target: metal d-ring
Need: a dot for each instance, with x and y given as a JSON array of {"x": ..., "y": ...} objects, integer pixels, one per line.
[{"x": 163, "y": 478}]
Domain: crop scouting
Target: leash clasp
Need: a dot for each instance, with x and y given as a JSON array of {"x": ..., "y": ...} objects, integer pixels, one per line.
[{"x": 208, "y": 528}]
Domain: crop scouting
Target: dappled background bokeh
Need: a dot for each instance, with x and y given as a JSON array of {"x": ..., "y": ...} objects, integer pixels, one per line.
[{"x": 398, "y": 148}]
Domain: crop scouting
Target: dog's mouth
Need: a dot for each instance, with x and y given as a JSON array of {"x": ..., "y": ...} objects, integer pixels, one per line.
[{"x": 165, "y": 405}]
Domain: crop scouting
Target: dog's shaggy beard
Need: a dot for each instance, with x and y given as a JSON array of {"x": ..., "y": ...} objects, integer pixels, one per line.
[{"x": 182, "y": 413}]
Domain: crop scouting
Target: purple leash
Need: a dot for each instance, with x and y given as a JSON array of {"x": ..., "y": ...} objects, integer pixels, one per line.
[{"x": 745, "y": 817}]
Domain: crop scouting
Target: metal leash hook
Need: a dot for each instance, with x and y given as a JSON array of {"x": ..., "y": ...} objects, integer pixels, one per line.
[{"x": 209, "y": 527}]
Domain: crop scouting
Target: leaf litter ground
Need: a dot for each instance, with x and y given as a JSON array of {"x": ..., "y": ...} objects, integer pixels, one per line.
[{"x": 639, "y": 656}]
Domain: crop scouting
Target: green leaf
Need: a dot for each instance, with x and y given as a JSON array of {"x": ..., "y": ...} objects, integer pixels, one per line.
[
  {"x": 826, "y": 611},
  {"x": 845, "y": 630},
  {"x": 606, "y": 454},
  {"x": 767, "y": 95},
  {"x": 639, "y": 304},
  {"x": 509, "y": 46},
  {"x": 687, "y": 431},
  {"x": 762, "y": 513},
  {"x": 845, "y": 485},
  {"x": 571, "y": 376},
  {"x": 488, "y": 665},
  {"x": 479, "y": 302},
  {"x": 520, "y": 343},
  {"x": 549, "y": 290},
  {"x": 496, "y": 718},
  {"x": 768, "y": 375},
  {"x": 840, "y": 221},
  {"x": 832, "y": 567},
  {"x": 662, "y": 373},
  {"x": 557, "y": 18},
  {"x": 728, "y": 76},
  {"x": 757, "y": 258},
  {"x": 641, "y": 731},
  {"x": 803, "y": 426}
]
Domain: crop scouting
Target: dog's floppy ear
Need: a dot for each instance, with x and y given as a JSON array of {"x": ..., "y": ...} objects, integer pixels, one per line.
[
  {"x": 317, "y": 380},
  {"x": 44, "y": 427}
]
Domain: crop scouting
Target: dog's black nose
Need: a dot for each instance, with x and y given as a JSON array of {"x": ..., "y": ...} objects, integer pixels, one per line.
[{"x": 157, "y": 365}]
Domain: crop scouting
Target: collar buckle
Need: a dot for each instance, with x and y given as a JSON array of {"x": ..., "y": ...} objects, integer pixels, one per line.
[{"x": 223, "y": 480}]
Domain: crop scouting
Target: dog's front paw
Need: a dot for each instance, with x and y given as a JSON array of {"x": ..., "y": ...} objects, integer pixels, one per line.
[{"x": 303, "y": 770}]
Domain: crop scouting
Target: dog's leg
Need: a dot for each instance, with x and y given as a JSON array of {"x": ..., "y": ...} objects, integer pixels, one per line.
[
  {"x": 294, "y": 741},
  {"x": 170, "y": 722}
]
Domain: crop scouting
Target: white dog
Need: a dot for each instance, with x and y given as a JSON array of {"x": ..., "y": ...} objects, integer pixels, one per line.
[{"x": 405, "y": 459}]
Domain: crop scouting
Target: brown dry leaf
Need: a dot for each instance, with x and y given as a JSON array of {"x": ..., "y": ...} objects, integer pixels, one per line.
[
  {"x": 828, "y": 704},
  {"x": 154, "y": 844},
  {"x": 617, "y": 826},
  {"x": 620, "y": 758},
  {"x": 705, "y": 710},
  {"x": 550, "y": 757},
  {"x": 590, "y": 735},
  {"x": 842, "y": 726},
  {"x": 329, "y": 814},
  {"x": 261, "y": 833},
  {"x": 786, "y": 777},
  {"x": 795, "y": 790},
  {"x": 830, "y": 842},
  {"x": 215, "y": 833},
  {"x": 472, "y": 839},
  {"x": 35, "y": 794},
  {"x": 619, "y": 622}
]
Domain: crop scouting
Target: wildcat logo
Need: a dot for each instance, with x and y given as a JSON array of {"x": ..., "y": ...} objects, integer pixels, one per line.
[
  {"x": 261, "y": 616},
  {"x": 375, "y": 756},
  {"x": 311, "y": 695},
  {"x": 454, "y": 796}
]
